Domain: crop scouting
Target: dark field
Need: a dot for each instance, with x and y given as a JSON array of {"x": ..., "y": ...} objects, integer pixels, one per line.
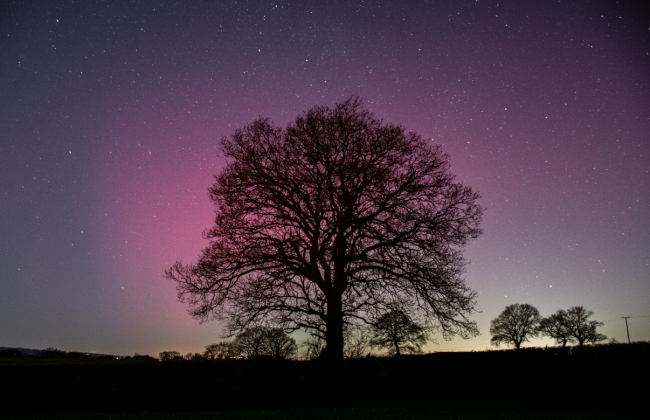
[
  {"x": 594, "y": 382},
  {"x": 438, "y": 411}
]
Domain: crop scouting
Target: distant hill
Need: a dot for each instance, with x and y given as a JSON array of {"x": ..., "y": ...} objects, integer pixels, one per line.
[
  {"x": 25, "y": 352},
  {"x": 34, "y": 352}
]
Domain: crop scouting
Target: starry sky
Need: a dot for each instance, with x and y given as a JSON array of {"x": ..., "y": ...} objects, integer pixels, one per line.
[{"x": 111, "y": 113}]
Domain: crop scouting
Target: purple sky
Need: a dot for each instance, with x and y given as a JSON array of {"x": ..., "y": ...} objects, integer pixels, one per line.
[{"x": 111, "y": 112}]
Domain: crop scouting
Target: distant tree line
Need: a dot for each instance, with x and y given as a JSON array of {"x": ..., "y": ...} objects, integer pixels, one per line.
[
  {"x": 11, "y": 353},
  {"x": 48, "y": 353},
  {"x": 253, "y": 342},
  {"x": 54, "y": 353},
  {"x": 395, "y": 331},
  {"x": 519, "y": 323}
]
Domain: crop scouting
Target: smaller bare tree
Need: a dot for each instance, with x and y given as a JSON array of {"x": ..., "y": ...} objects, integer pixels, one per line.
[
  {"x": 193, "y": 356},
  {"x": 356, "y": 341},
  {"x": 555, "y": 327},
  {"x": 279, "y": 344},
  {"x": 313, "y": 346},
  {"x": 264, "y": 341},
  {"x": 168, "y": 355},
  {"x": 580, "y": 328},
  {"x": 515, "y": 325},
  {"x": 222, "y": 350},
  {"x": 251, "y": 341},
  {"x": 396, "y": 332}
]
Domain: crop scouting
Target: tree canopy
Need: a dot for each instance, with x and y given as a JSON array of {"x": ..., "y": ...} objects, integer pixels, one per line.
[
  {"x": 515, "y": 325},
  {"x": 396, "y": 332},
  {"x": 555, "y": 326},
  {"x": 169, "y": 355},
  {"x": 330, "y": 221},
  {"x": 222, "y": 350},
  {"x": 580, "y": 328},
  {"x": 264, "y": 341},
  {"x": 572, "y": 326}
]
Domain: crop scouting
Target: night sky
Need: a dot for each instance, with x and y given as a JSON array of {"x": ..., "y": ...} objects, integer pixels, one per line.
[{"x": 111, "y": 113}]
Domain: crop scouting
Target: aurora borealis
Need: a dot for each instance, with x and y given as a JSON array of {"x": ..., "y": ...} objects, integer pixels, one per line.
[{"x": 111, "y": 112}]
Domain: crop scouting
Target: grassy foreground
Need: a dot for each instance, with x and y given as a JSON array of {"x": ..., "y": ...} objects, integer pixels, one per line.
[{"x": 475, "y": 410}]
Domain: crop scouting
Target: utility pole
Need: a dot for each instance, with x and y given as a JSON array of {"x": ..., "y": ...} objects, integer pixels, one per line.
[{"x": 628, "y": 330}]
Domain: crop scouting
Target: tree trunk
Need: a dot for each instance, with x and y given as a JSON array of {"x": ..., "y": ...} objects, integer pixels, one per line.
[{"x": 334, "y": 333}]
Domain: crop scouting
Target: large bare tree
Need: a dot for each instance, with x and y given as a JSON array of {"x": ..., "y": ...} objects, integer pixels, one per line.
[{"x": 332, "y": 221}]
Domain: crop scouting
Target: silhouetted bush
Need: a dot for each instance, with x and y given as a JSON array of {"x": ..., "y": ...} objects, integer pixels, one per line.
[
  {"x": 169, "y": 355},
  {"x": 143, "y": 357}
]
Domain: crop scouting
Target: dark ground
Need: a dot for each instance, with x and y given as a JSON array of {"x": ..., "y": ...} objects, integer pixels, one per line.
[{"x": 599, "y": 377}]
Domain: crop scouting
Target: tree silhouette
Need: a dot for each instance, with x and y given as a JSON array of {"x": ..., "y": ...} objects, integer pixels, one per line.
[
  {"x": 555, "y": 326},
  {"x": 264, "y": 341},
  {"x": 193, "y": 356},
  {"x": 313, "y": 346},
  {"x": 356, "y": 342},
  {"x": 250, "y": 342},
  {"x": 396, "y": 332},
  {"x": 580, "y": 329},
  {"x": 516, "y": 324},
  {"x": 222, "y": 350},
  {"x": 279, "y": 344},
  {"x": 325, "y": 222},
  {"x": 169, "y": 355}
]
